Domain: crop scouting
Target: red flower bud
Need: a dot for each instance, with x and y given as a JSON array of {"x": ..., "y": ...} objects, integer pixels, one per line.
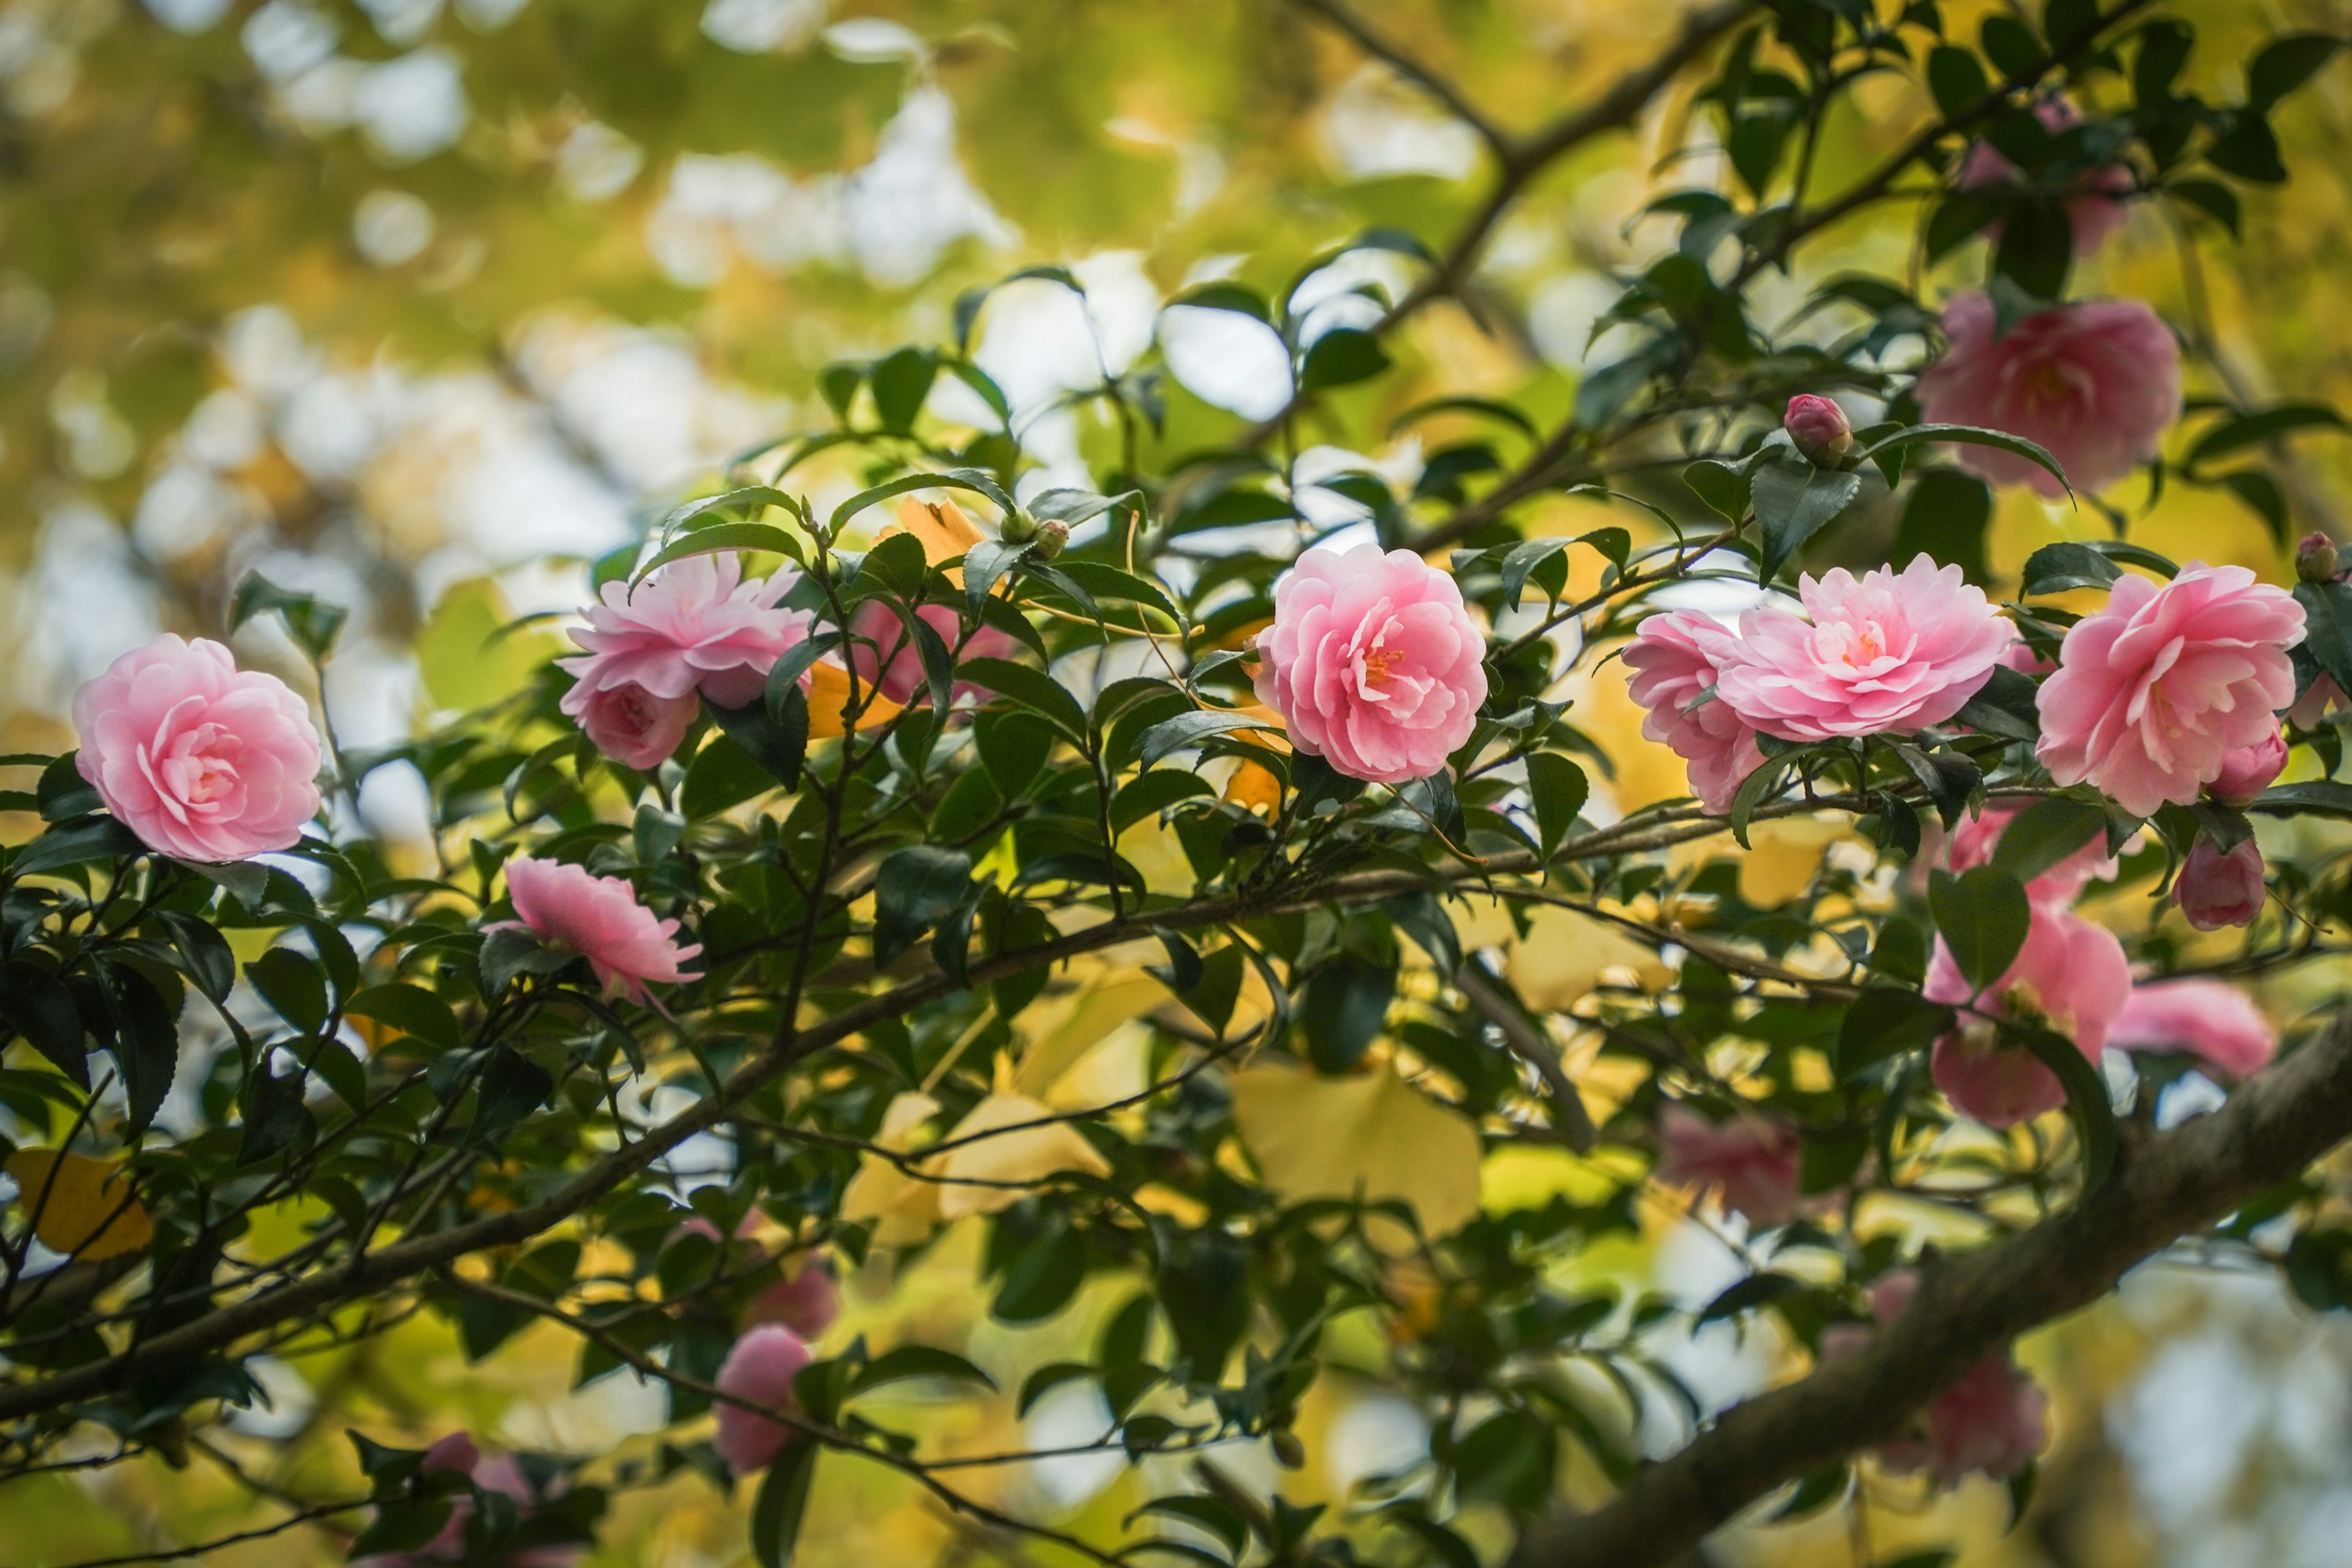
[{"x": 1819, "y": 428}]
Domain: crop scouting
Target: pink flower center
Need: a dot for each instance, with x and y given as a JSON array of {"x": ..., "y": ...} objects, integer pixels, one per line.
[
  {"x": 195, "y": 771},
  {"x": 1865, "y": 647},
  {"x": 1375, "y": 665}
]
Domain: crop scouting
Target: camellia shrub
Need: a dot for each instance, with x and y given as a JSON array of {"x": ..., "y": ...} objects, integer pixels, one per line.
[{"x": 871, "y": 829}]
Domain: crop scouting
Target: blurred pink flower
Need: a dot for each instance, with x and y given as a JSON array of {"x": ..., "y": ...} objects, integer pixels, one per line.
[
  {"x": 2215, "y": 890},
  {"x": 1979, "y": 835},
  {"x": 807, "y": 1301},
  {"x": 1750, "y": 1160},
  {"x": 2095, "y": 384},
  {"x": 760, "y": 1369},
  {"x": 2219, "y": 1023},
  {"x": 1888, "y": 651},
  {"x": 1372, "y": 662},
  {"x": 1677, "y": 658},
  {"x": 600, "y": 917},
  {"x": 630, "y": 724},
  {"x": 2070, "y": 975},
  {"x": 197, "y": 758},
  {"x": 2247, "y": 771},
  {"x": 492, "y": 1473},
  {"x": 2094, "y": 215},
  {"x": 894, "y": 668},
  {"x": 2154, "y": 689},
  {"x": 1994, "y": 1419},
  {"x": 693, "y": 625}
]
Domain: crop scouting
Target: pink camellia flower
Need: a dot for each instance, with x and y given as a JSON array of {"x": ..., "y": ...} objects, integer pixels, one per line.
[
  {"x": 199, "y": 759},
  {"x": 598, "y": 917},
  {"x": 693, "y": 627},
  {"x": 760, "y": 1369},
  {"x": 2095, "y": 384},
  {"x": 1372, "y": 662},
  {"x": 2247, "y": 771},
  {"x": 2094, "y": 215},
  {"x": 1994, "y": 1420},
  {"x": 1979, "y": 835},
  {"x": 1676, "y": 659},
  {"x": 2217, "y": 1024},
  {"x": 1750, "y": 1161},
  {"x": 807, "y": 1302},
  {"x": 886, "y": 661},
  {"x": 2071, "y": 975},
  {"x": 492, "y": 1473},
  {"x": 630, "y": 724},
  {"x": 1819, "y": 428},
  {"x": 2215, "y": 890},
  {"x": 1889, "y": 651},
  {"x": 2155, "y": 689}
]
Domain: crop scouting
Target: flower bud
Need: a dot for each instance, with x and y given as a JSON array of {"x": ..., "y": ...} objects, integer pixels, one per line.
[
  {"x": 2215, "y": 890},
  {"x": 1819, "y": 428},
  {"x": 1051, "y": 536},
  {"x": 1018, "y": 528},
  {"x": 2315, "y": 558},
  {"x": 2247, "y": 771}
]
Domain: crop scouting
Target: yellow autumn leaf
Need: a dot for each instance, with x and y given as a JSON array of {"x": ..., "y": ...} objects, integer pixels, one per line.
[
  {"x": 79, "y": 1205},
  {"x": 1566, "y": 954},
  {"x": 1783, "y": 857},
  {"x": 901, "y": 1209},
  {"x": 463, "y": 661},
  {"x": 1315, "y": 1137},
  {"x": 1026, "y": 1157},
  {"x": 1058, "y": 1031}
]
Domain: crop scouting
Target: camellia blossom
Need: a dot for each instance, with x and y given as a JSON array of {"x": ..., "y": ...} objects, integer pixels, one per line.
[
  {"x": 2094, "y": 215},
  {"x": 1994, "y": 1420},
  {"x": 1819, "y": 428},
  {"x": 1978, "y": 835},
  {"x": 693, "y": 625},
  {"x": 2094, "y": 383},
  {"x": 2247, "y": 771},
  {"x": 630, "y": 724},
  {"x": 1373, "y": 662},
  {"x": 1676, "y": 659},
  {"x": 889, "y": 664},
  {"x": 2216, "y": 889},
  {"x": 806, "y": 1301},
  {"x": 2219, "y": 1023},
  {"x": 198, "y": 758},
  {"x": 1750, "y": 1161},
  {"x": 457, "y": 1453},
  {"x": 760, "y": 1369},
  {"x": 1886, "y": 651},
  {"x": 2070, "y": 975},
  {"x": 599, "y": 918},
  {"x": 2155, "y": 689}
]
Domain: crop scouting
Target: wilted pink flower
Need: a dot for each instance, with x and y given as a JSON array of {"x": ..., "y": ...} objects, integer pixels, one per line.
[
  {"x": 2157, "y": 687},
  {"x": 1372, "y": 662},
  {"x": 2215, "y": 890},
  {"x": 693, "y": 627},
  {"x": 599, "y": 918},
  {"x": 1979, "y": 835},
  {"x": 1752, "y": 1161},
  {"x": 2094, "y": 215},
  {"x": 2217, "y": 1024},
  {"x": 894, "y": 668},
  {"x": 2247, "y": 771},
  {"x": 630, "y": 724},
  {"x": 492, "y": 1473},
  {"x": 1891, "y": 651},
  {"x": 197, "y": 758},
  {"x": 806, "y": 1302},
  {"x": 2071, "y": 975},
  {"x": 2095, "y": 384},
  {"x": 760, "y": 1369},
  {"x": 1677, "y": 658},
  {"x": 1819, "y": 428}
]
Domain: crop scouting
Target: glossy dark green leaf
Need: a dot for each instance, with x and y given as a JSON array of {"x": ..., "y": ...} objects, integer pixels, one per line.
[
  {"x": 1982, "y": 915},
  {"x": 35, "y": 1003},
  {"x": 916, "y": 887},
  {"x": 777, "y": 1512},
  {"x": 1346, "y": 1002},
  {"x": 1793, "y": 501}
]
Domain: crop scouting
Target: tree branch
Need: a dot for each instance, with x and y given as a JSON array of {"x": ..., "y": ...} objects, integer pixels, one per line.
[
  {"x": 2163, "y": 1187},
  {"x": 1454, "y": 100}
]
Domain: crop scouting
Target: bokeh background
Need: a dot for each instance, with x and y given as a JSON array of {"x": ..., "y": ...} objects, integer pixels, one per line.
[{"x": 423, "y": 305}]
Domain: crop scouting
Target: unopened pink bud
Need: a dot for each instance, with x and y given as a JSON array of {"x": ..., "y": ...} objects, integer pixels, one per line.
[
  {"x": 2215, "y": 890},
  {"x": 1051, "y": 535},
  {"x": 2314, "y": 557},
  {"x": 2248, "y": 771},
  {"x": 1819, "y": 428}
]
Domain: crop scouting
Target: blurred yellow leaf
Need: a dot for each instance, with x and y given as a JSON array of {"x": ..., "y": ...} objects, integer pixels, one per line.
[
  {"x": 1058, "y": 1031},
  {"x": 1024, "y": 1157},
  {"x": 1565, "y": 955},
  {"x": 901, "y": 1209},
  {"x": 1376, "y": 1135},
  {"x": 462, "y": 666},
  {"x": 79, "y": 1214},
  {"x": 1783, "y": 857}
]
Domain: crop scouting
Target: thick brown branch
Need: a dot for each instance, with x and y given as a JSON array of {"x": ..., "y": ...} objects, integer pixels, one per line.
[{"x": 2164, "y": 1186}]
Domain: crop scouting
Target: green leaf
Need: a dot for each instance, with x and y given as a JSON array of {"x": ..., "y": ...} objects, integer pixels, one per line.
[
  {"x": 2047, "y": 833},
  {"x": 1956, "y": 78},
  {"x": 1749, "y": 1294},
  {"x": 2036, "y": 248},
  {"x": 722, "y": 775},
  {"x": 36, "y": 1003},
  {"x": 2087, "y": 1102},
  {"x": 2263, "y": 425},
  {"x": 1945, "y": 518},
  {"x": 145, "y": 1039},
  {"x": 2285, "y": 63},
  {"x": 1558, "y": 789},
  {"x": 1148, "y": 793},
  {"x": 411, "y": 1010},
  {"x": 2327, "y": 627},
  {"x": 2057, "y": 568},
  {"x": 1038, "y": 692},
  {"x": 1885, "y": 1022},
  {"x": 722, "y": 536},
  {"x": 1724, "y": 488},
  {"x": 203, "y": 952},
  {"x": 901, "y": 380},
  {"x": 2210, "y": 197},
  {"x": 1793, "y": 501},
  {"x": 292, "y": 983},
  {"x": 1982, "y": 915},
  {"x": 512, "y": 951},
  {"x": 1347, "y": 1003},
  {"x": 102, "y": 838},
  {"x": 312, "y": 624},
  {"x": 1972, "y": 435},
  {"x": 777, "y": 742},
  {"x": 1105, "y": 581},
  {"x": 1203, "y": 1513},
  {"x": 1188, "y": 730},
  {"x": 2316, "y": 797},
  {"x": 971, "y": 479},
  {"x": 2250, "y": 149},
  {"x": 776, "y": 1512},
  {"x": 63, "y": 793},
  {"x": 909, "y": 1362},
  {"x": 402, "y": 1526},
  {"x": 1341, "y": 357},
  {"x": 917, "y": 887},
  {"x": 511, "y": 1087}
]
